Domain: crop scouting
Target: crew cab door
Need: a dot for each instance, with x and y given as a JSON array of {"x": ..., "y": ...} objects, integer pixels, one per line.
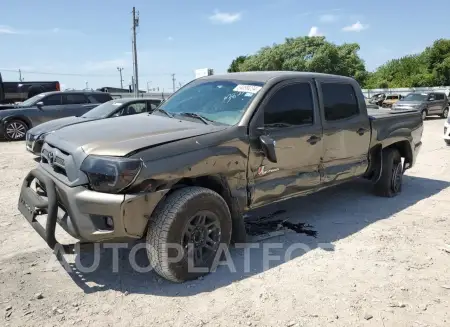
[
  {"x": 289, "y": 117},
  {"x": 76, "y": 104},
  {"x": 346, "y": 130}
]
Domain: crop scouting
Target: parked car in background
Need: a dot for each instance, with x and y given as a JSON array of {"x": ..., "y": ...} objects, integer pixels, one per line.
[
  {"x": 377, "y": 99},
  {"x": 370, "y": 105},
  {"x": 14, "y": 123},
  {"x": 220, "y": 146},
  {"x": 113, "y": 108},
  {"x": 428, "y": 103},
  {"x": 390, "y": 100}
]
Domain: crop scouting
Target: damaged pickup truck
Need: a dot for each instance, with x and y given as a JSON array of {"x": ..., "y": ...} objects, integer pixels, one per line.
[{"x": 220, "y": 146}]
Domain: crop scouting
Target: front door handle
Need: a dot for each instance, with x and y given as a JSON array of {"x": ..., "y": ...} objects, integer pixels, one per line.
[
  {"x": 361, "y": 131},
  {"x": 313, "y": 139}
]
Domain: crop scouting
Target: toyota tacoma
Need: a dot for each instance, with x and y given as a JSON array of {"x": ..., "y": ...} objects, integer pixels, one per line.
[{"x": 220, "y": 146}]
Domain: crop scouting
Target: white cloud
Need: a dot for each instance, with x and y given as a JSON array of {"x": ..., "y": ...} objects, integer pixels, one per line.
[
  {"x": 8, "y": 30},
  {"x": 328, "y": 18},
  {"x": 225, "y": 17},
  {"x": 356, "y": 27},
  {"x": 314, "y": 31}
]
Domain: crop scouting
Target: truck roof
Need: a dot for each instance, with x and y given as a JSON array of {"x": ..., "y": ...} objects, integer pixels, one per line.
[{"x": 264, "y": 76}]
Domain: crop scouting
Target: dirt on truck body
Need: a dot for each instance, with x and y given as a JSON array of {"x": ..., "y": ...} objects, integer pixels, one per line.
[{"x": 222, "y": 145}]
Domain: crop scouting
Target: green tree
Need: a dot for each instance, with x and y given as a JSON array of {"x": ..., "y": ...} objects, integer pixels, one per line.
[
  {"x": 313, "y": 54},
  {"x": 428, "y": 68},
  {"x": 234, "y": 67}
]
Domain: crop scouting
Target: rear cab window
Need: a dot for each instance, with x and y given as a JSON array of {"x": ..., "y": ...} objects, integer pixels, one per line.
[{"x": 339, "y": 101}]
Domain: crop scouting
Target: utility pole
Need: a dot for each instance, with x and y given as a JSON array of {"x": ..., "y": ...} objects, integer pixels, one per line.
[
  {"x": 136, "y": 79},
  {"x": 121, "y": 79},
  {"x": 20, "y": 76},
  {"x": 148, "y": 88},
  {"x": 173, "y": 82}
]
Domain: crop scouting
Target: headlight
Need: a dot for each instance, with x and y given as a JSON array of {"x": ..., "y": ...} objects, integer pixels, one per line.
[
  {"x": 110, "y": 174},
  {"x": 43, "y": 135}
]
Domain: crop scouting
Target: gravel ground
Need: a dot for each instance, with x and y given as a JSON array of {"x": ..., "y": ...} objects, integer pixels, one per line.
[{"x": 375, "y": 262}]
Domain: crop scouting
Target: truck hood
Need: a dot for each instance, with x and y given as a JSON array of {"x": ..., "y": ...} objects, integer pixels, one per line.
[
  {"x": 56, "y": 124},
  {"x": 122, "y": 135}
]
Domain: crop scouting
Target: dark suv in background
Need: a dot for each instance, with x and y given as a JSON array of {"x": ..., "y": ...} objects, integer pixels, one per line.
[
  {"x": 14, "y": 123},
  {"x": 432, "y": 103}
]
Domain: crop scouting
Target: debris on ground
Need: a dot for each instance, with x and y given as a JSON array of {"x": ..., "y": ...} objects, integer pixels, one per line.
[
  {"x": 38, "y": 296},
  {"x": 397, "y": 305},
  {"x": 368, "y": 316},
  {"x": 264, "y": 225},
  {"x": 446, "y": 248}
]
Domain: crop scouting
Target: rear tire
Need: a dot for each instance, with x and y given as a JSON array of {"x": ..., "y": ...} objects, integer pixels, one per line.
[
  {"x": 390, "y": 183},
  {"x": 445, "y": 113},
  {"x": 197, "y": 221},
  {"x": 15, "y": 130},
  {"x": 447, "y": 142}
]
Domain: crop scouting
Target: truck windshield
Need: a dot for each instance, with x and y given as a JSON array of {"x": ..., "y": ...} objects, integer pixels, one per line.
[
  {"x": 415, "y": 97},
  {"x": 221, "y": 101},
  {"x": 103, "y": 110},
  {"x": 31, "y": 101}
]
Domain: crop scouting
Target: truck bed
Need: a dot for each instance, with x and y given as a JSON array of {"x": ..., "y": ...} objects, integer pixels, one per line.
[
  {"x": 383, "y": 113},
  {"x": 390, "y": 125}
]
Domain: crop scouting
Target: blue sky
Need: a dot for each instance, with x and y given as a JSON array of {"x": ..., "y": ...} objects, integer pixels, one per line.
[{"x": 85, "y": 41}]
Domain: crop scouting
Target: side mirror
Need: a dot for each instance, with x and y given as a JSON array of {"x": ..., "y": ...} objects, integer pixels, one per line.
[
  {"x": 268, "y": 147},
  {"x": 40, "y": 104}
]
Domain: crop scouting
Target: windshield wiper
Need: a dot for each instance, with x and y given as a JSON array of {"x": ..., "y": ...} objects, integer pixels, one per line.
[
  {"x": 207, "y": 121},
  {"x": 164, "y": 112}
]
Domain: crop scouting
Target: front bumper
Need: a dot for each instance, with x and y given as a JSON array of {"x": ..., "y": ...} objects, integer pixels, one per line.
[
  {"x": 83, "y": 213},
  {"x": 447, "y": 131}
]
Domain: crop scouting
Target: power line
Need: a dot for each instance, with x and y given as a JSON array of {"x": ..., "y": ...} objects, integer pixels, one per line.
[
  {"x": 59, "y": 74},
  {"x": 88, "y": 74}
]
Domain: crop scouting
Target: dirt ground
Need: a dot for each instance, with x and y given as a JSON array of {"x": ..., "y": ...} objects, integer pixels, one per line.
[{"x": 375, "y": 262}]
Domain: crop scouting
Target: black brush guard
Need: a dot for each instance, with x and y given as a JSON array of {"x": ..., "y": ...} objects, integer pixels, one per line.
[{"x": 31, "y": 205}]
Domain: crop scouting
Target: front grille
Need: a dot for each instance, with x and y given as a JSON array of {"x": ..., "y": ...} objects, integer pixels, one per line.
[{"x": 49, "y": 156}]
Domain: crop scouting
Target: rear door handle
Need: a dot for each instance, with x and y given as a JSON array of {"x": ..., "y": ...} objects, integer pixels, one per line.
[
  {"x": 361, "y": 131},
  {"x": 313, "y": 139}
]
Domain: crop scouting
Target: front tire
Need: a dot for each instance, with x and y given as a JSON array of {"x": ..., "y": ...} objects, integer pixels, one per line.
[
  {"x": 390, "y": 182},
  {"x": 445, "y": 113},
  {"x": 15, "y": 130},
  {"x": 424, "y": 114},
  {"x": 191, "y": 223},
  {"x": 447, "y": 142}
]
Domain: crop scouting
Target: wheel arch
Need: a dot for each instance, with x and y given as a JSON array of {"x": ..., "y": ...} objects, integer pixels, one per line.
[
  {"x": 220, "y": 185},
  {"x": 376, "y": 158},
  {"x": 17, "y": 117}
]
